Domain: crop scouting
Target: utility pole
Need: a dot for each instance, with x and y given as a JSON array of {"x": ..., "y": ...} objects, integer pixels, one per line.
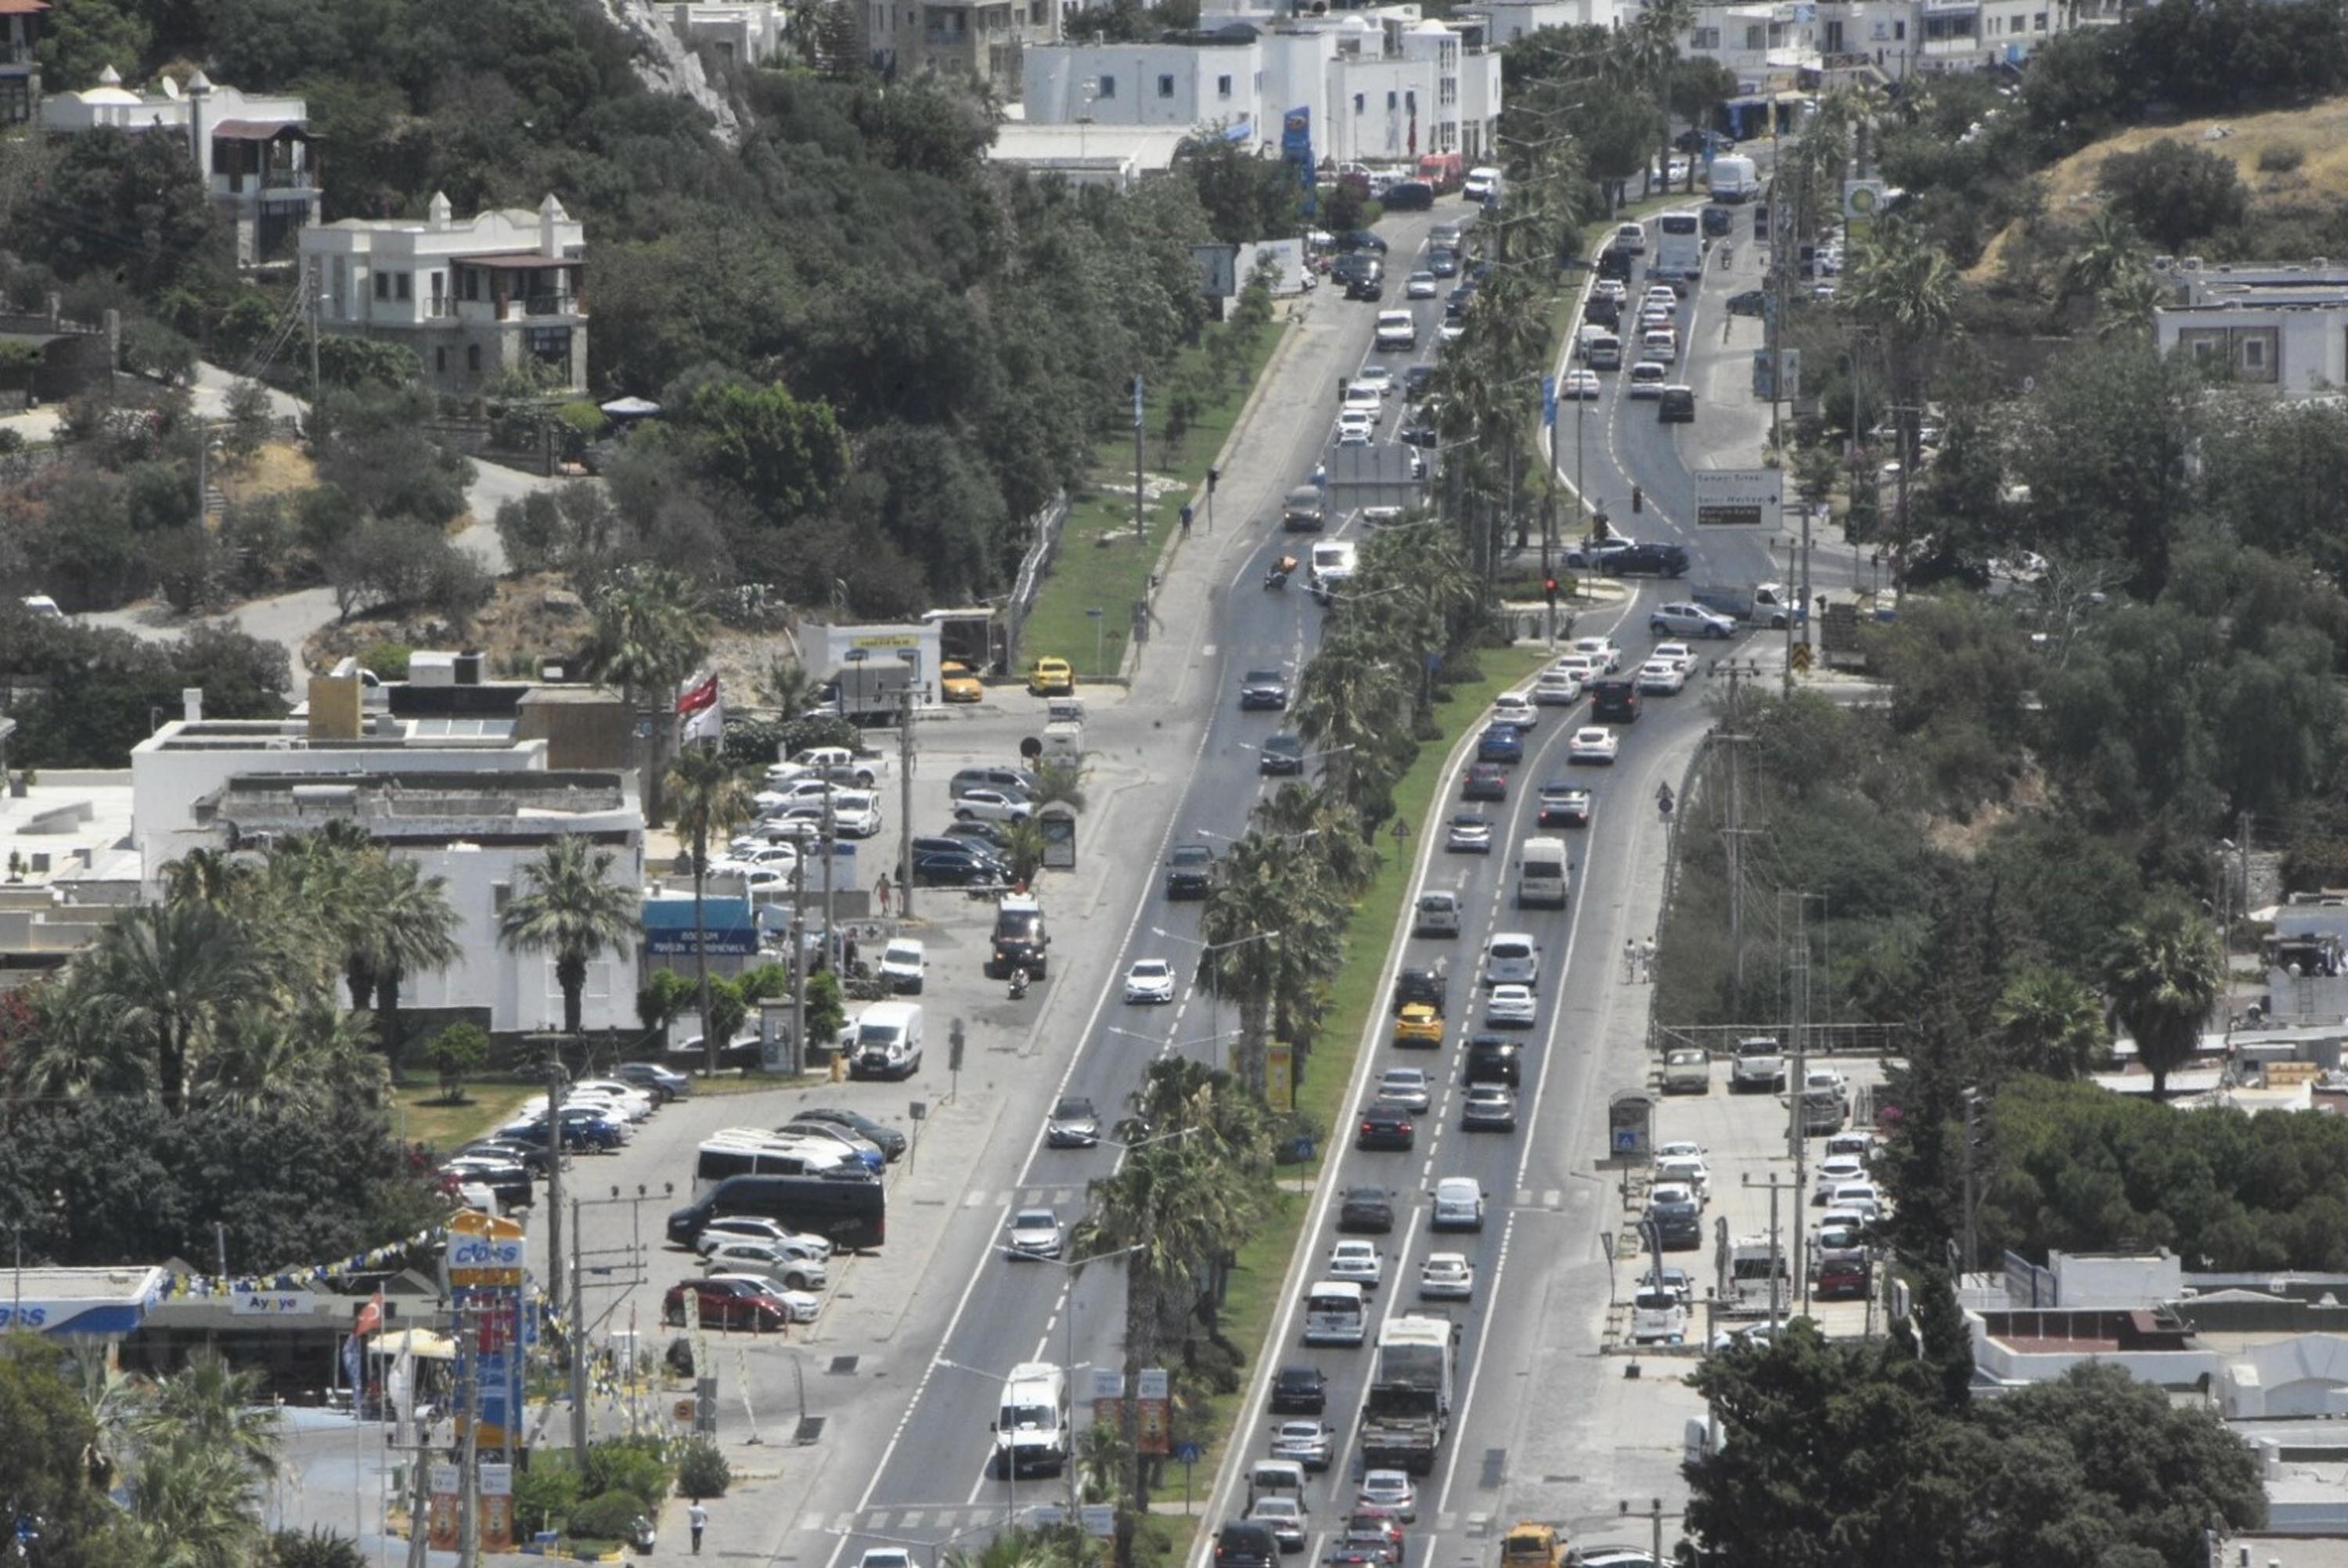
[
  {"x": 1976, "y": 1105},
  {"x": 1777, "y": 1270},
  {"x": 797, "y": 936},
  {"x": 905, "y": 808},
  {"x": 1736, "y": 831},
  {"x": 578, "y": 1341},
  {"x": 1655, "y": 1512},
  {"x": 830, "y": 903},
  {"x": 469, "y": 1479},
  {"x": 1138, "y": 391},
  {"x": 313, "y": 291},
  {"x": 554, "y": 1173},
  {"x": 1798, "y": 1079}
]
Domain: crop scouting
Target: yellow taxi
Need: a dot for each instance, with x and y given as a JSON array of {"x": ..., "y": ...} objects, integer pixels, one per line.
[
  {"x": 1052, "y": 677},
  {"x": 959, "y": 681},
  {"x": 1418, "y": 1025}
]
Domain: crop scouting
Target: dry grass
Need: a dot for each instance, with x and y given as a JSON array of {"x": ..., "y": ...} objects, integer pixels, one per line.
[
  {"x": 277, "y": 469},
  {"x": 2319, "y": 133}
]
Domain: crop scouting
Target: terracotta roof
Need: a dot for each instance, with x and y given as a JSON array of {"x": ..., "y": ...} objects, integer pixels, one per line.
[{"x": 22, "y": 7}]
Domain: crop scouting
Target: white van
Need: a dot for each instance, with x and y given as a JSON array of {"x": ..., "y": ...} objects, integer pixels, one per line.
[
  {"x": 1031, "y": 1434},
  {"x": 1661, "y": 345},
  {"x": 1602, "y": 351},
  {"x": 1544, "y": 876},
  {"x": 1438, "y": 914},
  {"x": 1336, "y": 1314},
  {"x": 1512, "y": 959},
  {"x": 1396, "y": 330},
  {"x": 1275, "y": 1477},
  {"x": 1063, "y": 741},
  {"x": 1733, "y": 178},
  {"x": 888, "y": 1043}
]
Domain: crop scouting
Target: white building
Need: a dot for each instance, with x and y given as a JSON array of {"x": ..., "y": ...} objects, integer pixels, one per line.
[
  {"x": 470, "y": 800},
  {"x": 2283, "y": 327},
  {"x": 472, "y": 297},
  {"x": 988, "y": 39},
  {"x": 1506, "y": 21},
  {"x": 1117, "y": 157},
  {"x": 251, "y": 151},
  {"x": 1380, "y": 86},
  {"x": 746, "y": 31}
]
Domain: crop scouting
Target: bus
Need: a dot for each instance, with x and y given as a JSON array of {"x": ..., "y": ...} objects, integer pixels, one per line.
[
  {"x": 749, "y": 1151},
  {"x": 1679, "y": 246}
]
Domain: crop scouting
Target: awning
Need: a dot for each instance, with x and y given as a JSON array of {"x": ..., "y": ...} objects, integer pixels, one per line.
[
  {"x": 421, "y": 1343},
  {"x": 508, "y": 261},
  {"x": 631, "y": 408},
  {"x": 256, "y": 130}
]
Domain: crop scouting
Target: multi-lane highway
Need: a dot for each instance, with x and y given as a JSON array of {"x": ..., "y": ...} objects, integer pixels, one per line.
[{"x": 933, "y": 1480}]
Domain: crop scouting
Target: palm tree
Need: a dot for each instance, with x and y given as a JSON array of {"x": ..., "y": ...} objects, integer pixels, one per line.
[
  {"x": 1906, "y": 287},
  {"x": 1059, "y": 780},
  {"x": 1024, "y": 842},
  {"x": 2108, "y": 250},
  {"x": 2051, "y": 1024},
  {"x": 404, "y": 924},
  {"x": 167, "y": 976},
  {"x": 204, "y": 876},
  {"x": 790, "y": 687},
  {"x": 2125, "y": 305},
  {"x": 73, "y": 1048},
  {"x": 311, "y": 1054},
  {"x": 649, "y": 633},
  {"x": 192, "y": 1505},
  {"x": 2165, "y": 976},
  {"x": 211, "y": 1403},
  {"x": 711, "y": 801},
  {"x": 1349, "y": 706},
  {"x": 574, "y": 911}
]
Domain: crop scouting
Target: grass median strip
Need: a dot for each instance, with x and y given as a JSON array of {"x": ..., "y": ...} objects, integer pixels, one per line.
[
  {"x": 1260, "y": 1278},
  {"x": 1099, "y": 566}
]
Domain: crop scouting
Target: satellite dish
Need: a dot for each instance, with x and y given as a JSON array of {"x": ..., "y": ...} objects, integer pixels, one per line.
[{"x": 171, "y": 90}]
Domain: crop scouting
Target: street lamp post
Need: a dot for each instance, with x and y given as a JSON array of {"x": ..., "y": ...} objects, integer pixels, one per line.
[{"x": 1214, "y": 994}]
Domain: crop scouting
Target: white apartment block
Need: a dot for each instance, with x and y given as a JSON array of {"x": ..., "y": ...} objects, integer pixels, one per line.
[
  {"x": 1759, "y": 38},
  {"x": 1506, "y": 21},
  {"x": 471, "y": 297},
  {"x": 253, "y": 151},
  {"x": 2281, "y": 327},
  {"x": 746, "y": 31},
  {"x": 987, "y": 39},
  {"x": 1378, "y": 87}
]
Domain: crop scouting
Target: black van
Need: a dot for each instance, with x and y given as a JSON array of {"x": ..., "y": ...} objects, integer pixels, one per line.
[
  {"x": 848, "y": 1206},
  {"x": 1615, "y": 700},
  {"x": 1408, "y": 196}
]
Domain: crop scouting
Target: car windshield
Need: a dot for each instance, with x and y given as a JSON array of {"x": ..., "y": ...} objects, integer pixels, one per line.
[
  {"x": 1073, "y": 1111},
  {"x": 1191, "y": 854},
  {"x": 1032, "y": 1219},
  {"x": 1151, "y": 969}
]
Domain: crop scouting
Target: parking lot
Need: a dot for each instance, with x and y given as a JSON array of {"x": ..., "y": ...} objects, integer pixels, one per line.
[{"x": 1744, "y": 1146}]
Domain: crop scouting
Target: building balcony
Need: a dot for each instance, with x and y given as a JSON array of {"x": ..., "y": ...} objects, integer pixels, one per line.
[{"x": 946, "y": 37}]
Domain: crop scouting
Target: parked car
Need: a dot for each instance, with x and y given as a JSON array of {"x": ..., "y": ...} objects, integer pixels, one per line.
[
  {"x": 653, "y": 1078},
  {"x": 727, "y": 1303}
]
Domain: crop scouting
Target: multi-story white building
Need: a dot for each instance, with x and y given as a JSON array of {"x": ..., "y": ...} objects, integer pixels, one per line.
[
  {"x": 253, "y": 151},
  {"x": 746, "y": 32},
  {"x": 1899, "y": 37},
  {"x": 492, "y": 293},
  {"x": 987, "y": 39},
  {"x": 471, "y": 800},
  {"x": 2282, "y": 327},
  {"x": 1383, "y": 86}
]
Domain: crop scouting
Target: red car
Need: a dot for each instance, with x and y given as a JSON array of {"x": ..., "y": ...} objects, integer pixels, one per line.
[
  {"x": 1484, "y": 781},
  {"x": 726, "y": 1304}
]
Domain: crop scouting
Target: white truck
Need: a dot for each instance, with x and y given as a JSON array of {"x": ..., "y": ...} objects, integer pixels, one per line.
[
  {"x": 1754, "y": 1261},
  {"x": 1334, "y": 562},
  {"x": 1409, "y": 1408},
  {"x": 1031, "y": 1434}
]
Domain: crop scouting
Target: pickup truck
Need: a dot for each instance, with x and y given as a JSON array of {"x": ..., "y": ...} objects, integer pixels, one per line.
[
  {"x": 1764, "y": 603},
  {"x": 1759, "y": 1067}
]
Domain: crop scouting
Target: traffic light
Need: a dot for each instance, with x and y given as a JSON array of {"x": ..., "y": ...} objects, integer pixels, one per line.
[
  {"x": 1638, "y": 499},
  {"x": 1548, "y": 587}
]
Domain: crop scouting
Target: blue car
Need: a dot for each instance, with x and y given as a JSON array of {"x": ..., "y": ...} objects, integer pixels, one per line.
[{"x": 1500, "y": 743}]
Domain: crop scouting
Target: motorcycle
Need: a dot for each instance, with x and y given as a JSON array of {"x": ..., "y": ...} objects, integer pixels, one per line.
[
  {"x": 642, "y": 1536},
  {"x": 1277, "y": 578},
  {"x": 1019, "y": 985}
]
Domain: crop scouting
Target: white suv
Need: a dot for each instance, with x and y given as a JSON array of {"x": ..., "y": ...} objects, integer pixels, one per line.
[
  {"x": 1511, "y": 958},
  {"x": 1396, "y": 330}
]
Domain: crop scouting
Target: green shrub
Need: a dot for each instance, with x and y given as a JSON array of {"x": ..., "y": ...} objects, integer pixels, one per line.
[
  {"x": 632, "y": 1467},
  {"x": 315, "y": 1548},
  {"x": 387, "y": 660},
  {"x": 702, "y": 1470},
  {"x": 455, "y": 1051},
  {"x": 2282, "y": 157},
  {"x": 610, "y": 1517},
  {"x": 544, "y": 1495}
]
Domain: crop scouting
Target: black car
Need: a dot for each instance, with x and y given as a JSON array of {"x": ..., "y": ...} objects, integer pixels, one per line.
[
  {"x": 1678, "y": 1226},
  {"x": 1244, "y": 1543},
  {"x": 1456, "y": 302},
  {"x": 1431, "y": 984},
  {"x": 1280, "y": 754},
  {"x": 973, "y": 844},
  {"x": 1751, "y": 302},
  {"x": 1386, "y": 1127},
  {"x": 1419, "y": 431},
  {"x": 1264, "y": 688},
  {"x": 1646, "y": 560},
  {"x": 1366, "y": 1211},
  {"x": 1603, "y": 311},
  {"x": 1073, "y": 1124},
  {"x": 1676, "y": 406},
  {"x": 1361, "y": 239},
  {"x": 1443, "y": 261},
  {"x": 1368, "y": 281},
  {"x": 1415, "y": 377},
  {"x": 535, "y": 1158},
  {"x": 1299, "y": 1391},
  {"x": 1189, "y": 870},
  {"x": 1485, "y": 780},
  {"x": 1491, "y": 1059},
  {"x": 992, "y": 834},
  {"x": 1408, "y": 196},
  {"x": 936, "y": 868},
  {"x": 1614, "y": 262},
  {"x": 888, "y": 1139}
]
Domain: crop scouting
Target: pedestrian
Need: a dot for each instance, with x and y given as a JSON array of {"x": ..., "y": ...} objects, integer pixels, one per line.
[
  {"x": 848, "y": 954},
  {"x": 881, "y": 892},
  {"x": 1647, "y": 960},
  {"x": 1631, "y": 960},
  {"x": 698, "y": 1518}
]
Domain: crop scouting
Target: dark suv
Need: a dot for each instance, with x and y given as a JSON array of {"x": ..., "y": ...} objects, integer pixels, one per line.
[
  {"x": 1493, "y": 1060},
  {"x": 1678, "y": 1226},
  {"x": 1264, "y": 688},
  {"x": 1244, "y": 1543},
  {"x": 1299, "y": 1391},
  {"x": 1646, "y": 560},
  {"x": 1431, "y": 986},
  {"x": 1280, "y": 754},
  {"x": 1189, "y": 870},
  {"x": 1367, "y": 1209}
]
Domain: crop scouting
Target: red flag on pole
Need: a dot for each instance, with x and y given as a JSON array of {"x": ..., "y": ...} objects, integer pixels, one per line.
[
  {"x": 370, "y": 1317},
  {"x": 694, "y": 698}
]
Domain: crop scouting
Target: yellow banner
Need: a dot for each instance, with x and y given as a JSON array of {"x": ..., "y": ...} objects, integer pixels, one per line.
[{"x": 1280, "y": 1075}]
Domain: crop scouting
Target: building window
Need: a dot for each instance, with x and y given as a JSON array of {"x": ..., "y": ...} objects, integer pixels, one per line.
[
  {"x": 1899, "y": 32},
  {"x": 1447, "y": 91},
  {"x": 1107, "y": 87},
  {"x": 1166, "y": 87},
  {"x": 1701, "y": 38},
  {"x": 473, "y": 357},
  {"x": 404, "y": 284},
  {"x": 1358, "y": 98},
  {"x": 1410, "y": 100},
  {"x": 2038, "y": 22},
  {"x": 1756, "y": 38},
  {"x": 1222, "y": 86},
  {"x": 440, "y": 361},
  {"x": 1391, "y": 105},
  {"x": 439, "y": 294},
  {"x": 2254, "y": 354},
  {"x": 382, "y": 286}
]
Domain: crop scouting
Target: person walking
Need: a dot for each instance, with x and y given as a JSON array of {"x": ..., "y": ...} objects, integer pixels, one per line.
[
  {"x": 1647, "y": 960},
  {"x": 880, "y": 893},
  {"x": 698, "y": 1518}
]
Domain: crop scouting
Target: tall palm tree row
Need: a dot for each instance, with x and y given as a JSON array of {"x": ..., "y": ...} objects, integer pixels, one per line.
[
  {"x": 650, "y": 632},
  {"x": 712, "y": 800}
]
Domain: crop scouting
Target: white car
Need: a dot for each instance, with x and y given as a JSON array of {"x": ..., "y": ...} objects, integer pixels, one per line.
[
  {"x": 730, "y": 874},
  {"x": 1662, "y": 678},
  {"x": 1418, "y": 286},
  {"x": 1833, "y": 1172},
  {"x": 1579, "y": 385},
  {"x": 1453, "y": 332},
  {"x": 1355, "y": 435},
  {"x": 992, "y": 805},
  {"x": 1679, "y": 653},
  {"x": 1150, "y": 980},
  {"x": 1509, "y": 1006},
  {"x": 740, "y": 1254},
  {"x": 1593, "y": 743},
  {"x": 1035, "y": 1233},
  {"x": 1659, "y": 294},
  {"x": 1396, "y": 330},
  {"x": 1514, "y": 708},
  {"x": 1362, "y": 396},
  {"x": 758, "y": 1227},
  {"x": 1689, "y": 1171},
  {"x": 886, "y": 1557},
  {"x": 1357, "y": 1263},
  {"x": 855, "y": 815},
  {"x": 1647, "y": 378},
  {"x": 1482, "y": 182},
  {"x": 904, "y": 965},
  {"x": 639, "y": 1104},
  {"x": 1580, "y": 666},
  {"x": 1612, "y": 289},
  {"x": 1557, "y": 689},
  {"x": 1406, "y": 1087},
  {"x": 1364, "y": 420},
  {"x": 1390, "y": 1490},
  {"x": 1630, "y": 239},
  {"x": 1379, "y": 378},
  {"x": 796, "y": 792},
  {"x": 1447, "y": 1276},
  {"x": 1605, "y": 655}
]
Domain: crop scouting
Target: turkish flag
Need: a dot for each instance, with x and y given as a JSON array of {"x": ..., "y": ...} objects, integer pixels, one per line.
[
  {"x": 694, "y": 698},
  {"x": 370, "y": 1317}
]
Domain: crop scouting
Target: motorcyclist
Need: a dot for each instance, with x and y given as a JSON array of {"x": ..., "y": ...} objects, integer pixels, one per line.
[{"x": 1019, "y": 983}]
